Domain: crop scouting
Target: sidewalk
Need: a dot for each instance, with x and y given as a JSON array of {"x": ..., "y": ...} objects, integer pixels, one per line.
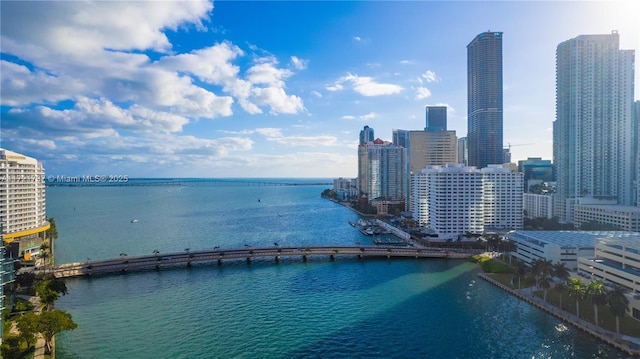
[{"x": 40, "y": 344}]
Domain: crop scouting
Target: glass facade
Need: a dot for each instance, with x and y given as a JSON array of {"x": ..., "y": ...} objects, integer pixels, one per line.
[{"x": 484, "y": 100}]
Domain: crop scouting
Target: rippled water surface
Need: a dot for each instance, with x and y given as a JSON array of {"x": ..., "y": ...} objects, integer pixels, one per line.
[{"x": 316, "y": 309}]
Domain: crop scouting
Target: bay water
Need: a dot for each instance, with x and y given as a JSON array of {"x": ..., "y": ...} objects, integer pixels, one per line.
[{"x": 348, "y": 308}]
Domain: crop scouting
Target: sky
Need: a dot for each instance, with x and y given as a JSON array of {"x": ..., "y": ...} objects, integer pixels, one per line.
[{"x": 268, "y": 89}]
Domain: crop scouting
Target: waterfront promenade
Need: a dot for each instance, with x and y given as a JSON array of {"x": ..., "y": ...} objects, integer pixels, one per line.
[
  {"x": 627, "y": 344},
  {"x": 159, "y": 261}
]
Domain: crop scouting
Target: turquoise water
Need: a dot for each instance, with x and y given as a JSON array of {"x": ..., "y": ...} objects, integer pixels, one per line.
[{"x": 319, "y": 309}]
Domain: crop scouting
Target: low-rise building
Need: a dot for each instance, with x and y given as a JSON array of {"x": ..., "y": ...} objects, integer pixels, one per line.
[
  {"x": 616, "y": 261},
  {"x": 626, "y": 218},
  {"x": 558, "y": 246},
  {"x": 345, "y": 188}
]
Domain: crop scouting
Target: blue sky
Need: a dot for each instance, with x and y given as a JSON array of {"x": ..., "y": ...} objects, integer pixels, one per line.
[{"x": 268, "y": 89}]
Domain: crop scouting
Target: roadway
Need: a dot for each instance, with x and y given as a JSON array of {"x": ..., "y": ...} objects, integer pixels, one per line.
[{"x": 187, "y": 258}]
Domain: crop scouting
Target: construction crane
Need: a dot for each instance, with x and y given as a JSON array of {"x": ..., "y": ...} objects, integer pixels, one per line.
[{"x": 519, "y": 144}]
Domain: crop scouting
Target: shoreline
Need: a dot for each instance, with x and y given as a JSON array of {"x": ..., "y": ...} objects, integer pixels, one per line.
[{"x": 614, "y": 339}]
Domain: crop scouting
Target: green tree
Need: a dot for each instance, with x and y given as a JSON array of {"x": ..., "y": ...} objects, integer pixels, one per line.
[
  {"x": 52, "y": 323},
  {"x": 618, "y": 302},
  {"x": 52, "y": 232},
  {"x": 577, "y": 289},
  {"x": 545, "y": 284},
  {"x": 560, "y": 288},
  {"x": 49, "y": 291},
  {"x": 560, "y": 270},
  {"x": 597, "y": 293},
  {"x": 27, "y": 324},
  {"x": 521, "y": 272}
]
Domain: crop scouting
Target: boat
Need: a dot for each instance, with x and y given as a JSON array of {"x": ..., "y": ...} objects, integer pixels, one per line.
[
  {"x": 352, "y": 224},
  {"x": 134, "y": 221},
  {"x": 366, "y": 231}
]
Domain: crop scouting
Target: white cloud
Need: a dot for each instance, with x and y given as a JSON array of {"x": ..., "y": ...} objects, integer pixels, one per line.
[
  {"x": 312, "y": 141},
  {"x": 278, "y": 100},
  {"x": 422, "y": 93},
  {"x": 276, "y": 135},
  {"x": 357, "y": 38},
  {"x": 299, "y": 63},
  {"x": 366, "y": 86},
  {"x": 335, "y": 87},
  {"x": 430, "y": 76},
  {"x": 44, "y": 144},
  {"x": 73, "y": 28},
  {"x": 316, "y": 94},
  {"x": 369, "y": 116},
  {"x": 406, "y": 62},
  {"x": 267, "y": 73},
  {"x": 269, "y": 132}
]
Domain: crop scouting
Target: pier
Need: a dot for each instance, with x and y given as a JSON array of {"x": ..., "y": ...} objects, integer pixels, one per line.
[{"x": 159, "y": 261}]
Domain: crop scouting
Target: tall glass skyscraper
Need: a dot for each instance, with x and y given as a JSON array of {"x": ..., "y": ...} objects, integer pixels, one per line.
[
  {"x": 484, "y": 99},
  {"x": 366, "y": 135},
  {"x": 436, "y": 118},
  {"x": 593, "y": 134}
]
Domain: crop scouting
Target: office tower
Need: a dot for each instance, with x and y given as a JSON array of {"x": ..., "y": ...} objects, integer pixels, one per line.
[
  {"x": 385, "y": 171},
  {"x": 637, "y": 151},
  {"x": 366, "y": 135},
  {"x": 463, "y": 157},
  {"x": 431, "y": 148},
  {"x": 484, "y": 99},
  {"x": 436, "y": 118},
  {"x": 22, "y": 204},
  {"x": 593, "y": 131},
  {"x": 454, "y": 199},
  {"x": 536, "y": 170}
]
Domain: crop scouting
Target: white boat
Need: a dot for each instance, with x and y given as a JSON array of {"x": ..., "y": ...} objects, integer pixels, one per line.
[{"x": 134, "y": 221}]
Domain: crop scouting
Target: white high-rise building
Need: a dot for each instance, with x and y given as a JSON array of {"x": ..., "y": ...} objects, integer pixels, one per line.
[
  {"x": 502, "y": 192},
  {"x": 454, "y": 199},
  {"x": 593, "y": 134},
  {"x": 22, "y": 202}
]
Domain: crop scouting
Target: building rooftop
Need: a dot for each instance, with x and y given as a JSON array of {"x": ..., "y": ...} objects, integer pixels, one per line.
[
  {"x": 631, "y": 209},
  {"x": 576, "y": 238}
]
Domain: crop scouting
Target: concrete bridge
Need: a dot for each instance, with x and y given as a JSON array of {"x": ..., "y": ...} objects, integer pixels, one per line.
[{"x": 159, "y": 261}]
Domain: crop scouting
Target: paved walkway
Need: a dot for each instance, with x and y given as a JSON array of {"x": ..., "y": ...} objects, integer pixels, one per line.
[{"x": 40, "y": 344}]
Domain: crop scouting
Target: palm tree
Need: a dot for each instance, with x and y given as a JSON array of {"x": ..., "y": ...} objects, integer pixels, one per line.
[
  {"x": 560, "y": 270},
  {"x": 560, "y": 288},
  {"x": 618, "y": 302},
  {"x": 597, "y": 293},
  {"x": 545, "y": 284},
  {"x": 521, "y": 271},
  {"x": 509, "y": 246},
  {"x": 577, "y": 289}
]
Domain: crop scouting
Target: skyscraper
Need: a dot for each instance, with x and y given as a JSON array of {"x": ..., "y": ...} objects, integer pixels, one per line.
[
  {"x": 382, "y": 171},
  {"x": 484, "y": 99},
  {"x": 366, "y": 135},
  {"x": 593, "y": 134},
  {"x": 22, "y": 204},
  {"x": 436, "y": 118}
]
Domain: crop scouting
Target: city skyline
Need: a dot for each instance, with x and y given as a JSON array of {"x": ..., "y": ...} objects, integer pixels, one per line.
[{"x": 223, "y": 89}]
